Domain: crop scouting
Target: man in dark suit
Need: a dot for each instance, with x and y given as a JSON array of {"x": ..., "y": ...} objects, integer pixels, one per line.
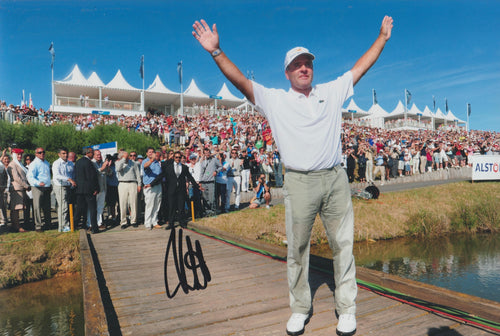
[
  {"x": 176, "y": 175},
  {"x": 87, "y": 187}
]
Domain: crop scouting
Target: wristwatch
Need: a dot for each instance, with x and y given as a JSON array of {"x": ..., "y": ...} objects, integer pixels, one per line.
[{"x": 216, "y": 52}]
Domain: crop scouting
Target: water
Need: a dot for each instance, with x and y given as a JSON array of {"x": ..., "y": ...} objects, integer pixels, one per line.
[
  {"x": 468, "y": 264},
  {"x": 45, "y": 308}
]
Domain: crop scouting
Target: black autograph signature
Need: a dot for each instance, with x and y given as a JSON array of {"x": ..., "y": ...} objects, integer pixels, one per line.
[{"x": 192, "y": 260}]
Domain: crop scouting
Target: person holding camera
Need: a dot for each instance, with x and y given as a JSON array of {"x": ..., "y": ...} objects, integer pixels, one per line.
[
  {"x": 129, "y": 186},
  {"x": 262, "y": 193},
  {"x": 210, "y": 166},
  {"x": 63, "y": 180}
]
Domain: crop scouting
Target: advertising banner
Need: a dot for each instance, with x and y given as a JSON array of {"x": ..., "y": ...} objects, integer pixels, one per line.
[
  {"x": 106, "y": 148},
  {"x": 485, "y": 167}
]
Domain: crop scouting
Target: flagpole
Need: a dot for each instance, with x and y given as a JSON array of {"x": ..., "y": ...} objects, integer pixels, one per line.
[
  {"x": 434, "y": 111},
  {"x": 53, "y": 54},
  {"x": 446, "y": 110},
  {"x": 468, "y": 113},
  {"x": 52, "y": 85},
  {"x": 406, "y": 102},
  {"x": 179, "y": 69},
  {"x": 141, "y": 72}
]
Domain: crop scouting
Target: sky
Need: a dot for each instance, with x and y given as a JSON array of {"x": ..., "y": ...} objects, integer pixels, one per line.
[{"x": 449, "y": 49}]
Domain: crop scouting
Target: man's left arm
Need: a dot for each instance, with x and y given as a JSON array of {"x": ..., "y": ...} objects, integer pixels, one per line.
[
  {"x": 32, "y": 175},
  {"x": 138, "y": 177},
  {"x": 370, "y": 57}
]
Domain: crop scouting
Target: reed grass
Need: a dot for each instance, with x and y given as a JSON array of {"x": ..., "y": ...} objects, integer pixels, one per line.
[{"x": 32, "y": 256}]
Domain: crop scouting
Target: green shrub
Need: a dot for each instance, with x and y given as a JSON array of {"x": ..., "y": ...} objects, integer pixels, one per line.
[
  {"x": 51, "y": 138},
  {"x": 463, "y": 219}
]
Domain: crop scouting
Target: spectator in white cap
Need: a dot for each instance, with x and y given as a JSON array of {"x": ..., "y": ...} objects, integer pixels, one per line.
[{"x": 315, "y": 183}]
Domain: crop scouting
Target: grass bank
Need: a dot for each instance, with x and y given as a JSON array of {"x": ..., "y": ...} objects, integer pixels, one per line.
[
  {"x": 432, "y": 211},
  {"x": 31, "y": 256}
]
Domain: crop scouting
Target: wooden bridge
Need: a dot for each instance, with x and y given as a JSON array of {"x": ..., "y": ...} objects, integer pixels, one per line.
[{"x": 245, "y": 293}]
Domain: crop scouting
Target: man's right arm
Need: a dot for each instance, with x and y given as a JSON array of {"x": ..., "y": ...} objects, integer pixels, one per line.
[
  {"x": 209, "y": 40},
  {"x": 120, "y": 165}
]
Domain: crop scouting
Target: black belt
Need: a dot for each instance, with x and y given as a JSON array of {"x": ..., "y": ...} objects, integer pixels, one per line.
[
  {"x": 336, "y": 168},
  {"x": 206, "y": 182}
]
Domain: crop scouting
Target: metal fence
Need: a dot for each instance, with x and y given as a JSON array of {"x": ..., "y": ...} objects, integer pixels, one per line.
[
  {"x": 96, "y": 103},
  {"x": 13, "y": 117}
]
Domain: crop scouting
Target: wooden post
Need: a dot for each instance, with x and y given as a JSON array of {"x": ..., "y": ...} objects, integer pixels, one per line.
[
  {"x": 192, "y": 210},
  {"x": 71, "y": 217}
]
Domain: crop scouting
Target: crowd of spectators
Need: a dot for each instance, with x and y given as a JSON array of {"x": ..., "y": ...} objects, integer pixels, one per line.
[
  {"x": 241, "y": 151},
  {"x": 399, "y": 153}
]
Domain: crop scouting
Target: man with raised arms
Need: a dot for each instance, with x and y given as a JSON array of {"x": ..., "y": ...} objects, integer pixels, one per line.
[{"x": 315, "y": 182}]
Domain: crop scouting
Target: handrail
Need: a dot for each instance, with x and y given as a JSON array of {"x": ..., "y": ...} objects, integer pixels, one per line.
[{"x": 94, "y": 103}]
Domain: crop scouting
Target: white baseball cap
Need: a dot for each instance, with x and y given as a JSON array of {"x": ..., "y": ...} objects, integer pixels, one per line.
[{"x": 294, "y": 53}]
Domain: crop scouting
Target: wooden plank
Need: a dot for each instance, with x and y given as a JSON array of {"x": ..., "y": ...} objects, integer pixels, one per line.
[{"x": 95, "y": 316}]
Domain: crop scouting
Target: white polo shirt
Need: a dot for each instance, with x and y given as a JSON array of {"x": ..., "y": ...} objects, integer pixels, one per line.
[{"x": 306, "y": 129}]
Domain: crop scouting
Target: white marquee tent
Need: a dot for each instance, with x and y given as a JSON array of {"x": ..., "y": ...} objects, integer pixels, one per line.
[
  {"x": 353, "y": 109},
  {"x": 377, "y": 116},
  {"x": 119, "y": 97}
]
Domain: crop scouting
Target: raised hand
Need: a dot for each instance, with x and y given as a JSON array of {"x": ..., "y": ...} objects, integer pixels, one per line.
[
  {"x": 386, "y": 28},
  {"x": 209, "y": 39}
]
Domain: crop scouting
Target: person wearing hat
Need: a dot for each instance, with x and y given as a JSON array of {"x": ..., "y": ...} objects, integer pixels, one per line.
[{"x": 315, "y": 183}]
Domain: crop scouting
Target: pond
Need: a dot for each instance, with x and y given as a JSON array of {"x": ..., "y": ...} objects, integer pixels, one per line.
[
  {"x": 468, "y": 264},
  {"x": 43, "y": 308}
]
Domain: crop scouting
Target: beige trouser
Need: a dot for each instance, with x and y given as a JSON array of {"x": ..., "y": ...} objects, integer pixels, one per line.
[
  {"x": 423, "y": 164},
  {"x": 306, "y": 194},
  {"x": 380, "y": 169},
  {"x": 62, "y": 206},
  {"x": 127, "y": 194},
  {"x": 152, "y": 201}
]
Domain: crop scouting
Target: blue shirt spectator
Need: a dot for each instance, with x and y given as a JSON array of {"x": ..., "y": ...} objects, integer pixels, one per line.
[
  {"x": 151, "y": 172},
  {"x": 39, "y": 172}
]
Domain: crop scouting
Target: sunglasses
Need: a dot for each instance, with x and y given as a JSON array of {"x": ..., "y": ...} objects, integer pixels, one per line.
[
  {"x": 177, "y": 157},
  {"x": 41, "y": 152}
]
